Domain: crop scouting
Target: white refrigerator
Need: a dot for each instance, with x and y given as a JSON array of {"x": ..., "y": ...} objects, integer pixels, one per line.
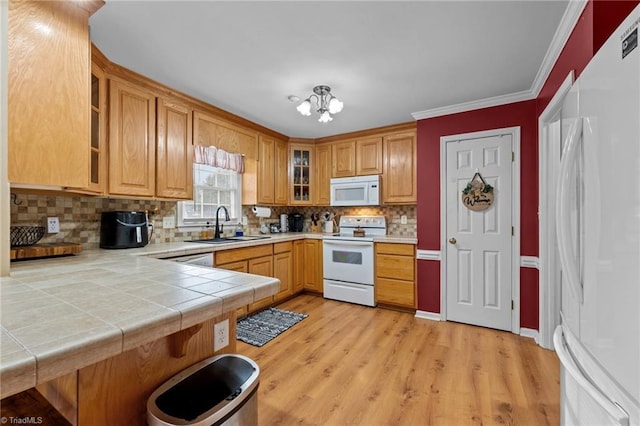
[{"x": 598, "y": 228}]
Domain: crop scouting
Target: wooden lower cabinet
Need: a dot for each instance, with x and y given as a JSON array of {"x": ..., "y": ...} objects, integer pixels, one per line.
[
  {"x": 253, "y": 260},
  {"x": 261, "y": 266},
  {"x": 241, "y": 266},
  {"x": 270, "y": 260},
  {"x": 395, "y": 275},
  {"x": 298, "y": 266},
  {"x": 312, "y": 266},
  {"x": 283, "y": 269}
]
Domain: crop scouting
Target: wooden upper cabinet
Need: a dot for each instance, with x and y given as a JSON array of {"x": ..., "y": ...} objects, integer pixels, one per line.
[
  {"x": 322, "y": 179},
  {"x": 399, "y": 177},
  {"x": 281, "y": 178},
  {"x": 369, "y": 156},
  {"x": 48, "y": 93},
  {"x": 301, "y": 174},
  {"x": 266, "y": 170},
  {"x": 98, "y": 139},
  {"x": 132, "y": 141},
  {"x": 357, "y": 157},
  {"x": 344, "y": 159},
  {"x": 265, "y": 181},
  {"x": 211, "y": 131},
  {"x": 174, "y": 148}
]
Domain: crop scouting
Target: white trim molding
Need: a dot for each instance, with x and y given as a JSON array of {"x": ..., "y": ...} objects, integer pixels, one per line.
[
  {"x": 548, "y": 170},
  {"x": 473, "y": 105},
  {"x": 529, "y": 262},
  {"x": 567, "y": 23},
  {"x": 531, "y": 333},
  {"x": 428, "y": 254},
  {"x": 432, "y": 316}
]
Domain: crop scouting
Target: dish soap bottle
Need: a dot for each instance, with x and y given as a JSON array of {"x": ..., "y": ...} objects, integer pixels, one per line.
[{"x": 207, "y": 232}]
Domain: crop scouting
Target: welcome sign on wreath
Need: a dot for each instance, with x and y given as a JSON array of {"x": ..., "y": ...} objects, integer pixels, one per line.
[{"x": 478, "y": 194}]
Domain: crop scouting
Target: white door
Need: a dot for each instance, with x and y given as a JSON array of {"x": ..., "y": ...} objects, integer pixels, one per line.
[{"x": 478, "y": 247}]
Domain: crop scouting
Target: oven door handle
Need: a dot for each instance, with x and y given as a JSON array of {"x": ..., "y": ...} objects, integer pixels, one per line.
[{"x": 349, "y": 243}]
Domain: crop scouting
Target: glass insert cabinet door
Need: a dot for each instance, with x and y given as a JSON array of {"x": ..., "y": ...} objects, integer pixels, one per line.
[
  {"x": 97, "y": 148},
  {"x": 301, "y": 174}
]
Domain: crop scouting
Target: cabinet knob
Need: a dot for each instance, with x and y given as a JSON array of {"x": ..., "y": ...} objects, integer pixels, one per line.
[{"x": 452, "y": 240}]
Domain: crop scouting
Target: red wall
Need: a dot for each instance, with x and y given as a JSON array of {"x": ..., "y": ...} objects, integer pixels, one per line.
[
  {"x": 598, "y": 20},
  {"x": 521, "y": 114}
]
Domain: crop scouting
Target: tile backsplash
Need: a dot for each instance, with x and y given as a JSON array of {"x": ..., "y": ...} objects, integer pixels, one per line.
[{"x": 80, "y": 217}]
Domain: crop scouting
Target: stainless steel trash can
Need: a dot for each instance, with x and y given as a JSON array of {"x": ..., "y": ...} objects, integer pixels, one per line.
[{"x": 221, "y": 390}]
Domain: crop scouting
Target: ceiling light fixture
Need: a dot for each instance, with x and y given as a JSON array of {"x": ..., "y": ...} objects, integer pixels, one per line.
[{"x": 324, "y": 102}]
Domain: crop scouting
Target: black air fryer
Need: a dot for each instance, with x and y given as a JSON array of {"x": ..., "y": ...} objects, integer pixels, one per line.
[
  {"x": 120, "y": 230},
  {"x": 296, "y": 222}
]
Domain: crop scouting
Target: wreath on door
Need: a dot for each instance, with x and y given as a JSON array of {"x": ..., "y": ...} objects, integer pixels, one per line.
[{"x": 478, "y": 194}]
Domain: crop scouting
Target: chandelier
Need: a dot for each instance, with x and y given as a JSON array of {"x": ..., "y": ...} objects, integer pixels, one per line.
[{"x": 323, "y": 102}]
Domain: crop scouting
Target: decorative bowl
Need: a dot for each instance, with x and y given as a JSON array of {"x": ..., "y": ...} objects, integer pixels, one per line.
[{"x": 22, "y": 236}]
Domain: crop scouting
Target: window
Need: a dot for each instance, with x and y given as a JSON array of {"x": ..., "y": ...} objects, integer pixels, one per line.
[{"x": 212, "y": 187}]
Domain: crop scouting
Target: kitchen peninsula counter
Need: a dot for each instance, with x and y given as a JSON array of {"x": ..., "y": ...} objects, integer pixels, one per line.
[{"x": 60, "y": 315}]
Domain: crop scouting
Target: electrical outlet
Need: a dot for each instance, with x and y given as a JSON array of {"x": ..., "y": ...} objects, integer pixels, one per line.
[
  {"x": 169, "y": 222},
  {"x": 53, "y": 225},
  {"x": 221, "y": 335},
  {"x": 403, "y": 219}
]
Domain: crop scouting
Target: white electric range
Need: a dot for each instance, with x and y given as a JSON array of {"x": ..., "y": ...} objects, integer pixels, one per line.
[{"x": 348, "y": 260}]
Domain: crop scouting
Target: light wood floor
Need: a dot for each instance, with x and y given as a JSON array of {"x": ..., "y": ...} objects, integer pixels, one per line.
[{"x": 352, "y": 365}]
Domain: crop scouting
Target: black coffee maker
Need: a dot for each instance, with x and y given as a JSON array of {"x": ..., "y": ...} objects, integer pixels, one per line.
[{"x": 296, "y": 222}]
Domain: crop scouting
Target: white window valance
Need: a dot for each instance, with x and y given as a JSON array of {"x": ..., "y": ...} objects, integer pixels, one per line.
[{"x": 217, "y": 157}]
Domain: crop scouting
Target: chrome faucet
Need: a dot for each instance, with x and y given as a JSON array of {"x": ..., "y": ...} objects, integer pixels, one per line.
[{"x": 226, "y": 217}]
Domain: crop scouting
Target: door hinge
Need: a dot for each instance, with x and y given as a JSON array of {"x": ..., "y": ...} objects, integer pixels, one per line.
[
  {"x": 513, "y": 232},
  {"x": 513, "y": 156},
  {"x": 512, "y": 305}
]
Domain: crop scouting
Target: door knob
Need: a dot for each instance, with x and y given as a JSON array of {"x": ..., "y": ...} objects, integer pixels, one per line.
[{"x": 452, "y": 240}]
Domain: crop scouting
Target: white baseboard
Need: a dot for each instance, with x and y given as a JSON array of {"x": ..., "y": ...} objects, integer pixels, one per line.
[
  {"x": 531, "y": 333},
  {"x": 428, "y": 315}
]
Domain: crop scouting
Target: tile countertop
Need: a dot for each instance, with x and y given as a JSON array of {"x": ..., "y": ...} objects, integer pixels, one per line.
[
  {"x": 166, "y": 250},
  {"x": 62, "y": 314}
]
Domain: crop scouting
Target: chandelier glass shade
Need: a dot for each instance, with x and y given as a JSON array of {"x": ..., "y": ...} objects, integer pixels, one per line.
[{"x": 323, "y": 102}]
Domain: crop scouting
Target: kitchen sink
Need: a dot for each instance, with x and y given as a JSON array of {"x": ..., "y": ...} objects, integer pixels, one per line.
[
  {"x": 249, "y": 237},
  {"x": 230, "y": 239}
]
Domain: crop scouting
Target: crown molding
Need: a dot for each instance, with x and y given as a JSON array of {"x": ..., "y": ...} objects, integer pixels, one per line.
[
  {"x": 473, "y": 105},
  {"x": 560, "y": 38},
  {"x": 567, "y": 23}
]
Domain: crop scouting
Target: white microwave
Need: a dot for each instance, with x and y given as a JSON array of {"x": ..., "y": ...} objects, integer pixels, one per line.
[{"x": 356, "y": 191}]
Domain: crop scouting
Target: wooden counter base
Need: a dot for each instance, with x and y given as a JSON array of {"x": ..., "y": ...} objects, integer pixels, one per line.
[{"x": 115, "y": 391}]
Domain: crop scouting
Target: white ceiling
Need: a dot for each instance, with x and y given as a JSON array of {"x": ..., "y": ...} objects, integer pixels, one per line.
[{"x": 384, "y": 60}]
